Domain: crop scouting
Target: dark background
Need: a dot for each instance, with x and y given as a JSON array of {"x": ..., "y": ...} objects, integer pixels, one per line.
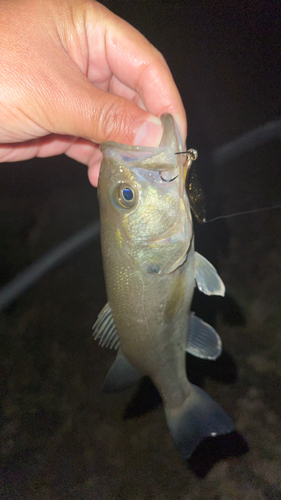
[{"x": 60, "y": 437}]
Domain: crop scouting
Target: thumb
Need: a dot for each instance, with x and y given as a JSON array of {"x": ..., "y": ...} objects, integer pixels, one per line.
[{"x": 84, "y": 110}]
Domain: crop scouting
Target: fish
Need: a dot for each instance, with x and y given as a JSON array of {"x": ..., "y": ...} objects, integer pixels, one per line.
[{"x": 151, "y": 269}]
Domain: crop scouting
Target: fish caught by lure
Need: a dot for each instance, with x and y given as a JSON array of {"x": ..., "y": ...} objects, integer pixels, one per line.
[{"x": 151, "y": 269}]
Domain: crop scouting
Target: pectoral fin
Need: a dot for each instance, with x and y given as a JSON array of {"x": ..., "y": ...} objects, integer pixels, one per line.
[
  {"x": 203, "y": 340},
  {"x": 207, "y": 278},
  {"x": 121, "y": 375},
  {"x": 104, "y": 329}
]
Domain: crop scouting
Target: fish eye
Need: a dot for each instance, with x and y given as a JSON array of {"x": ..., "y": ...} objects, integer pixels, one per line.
[
  {"x": 128, "y": 194},
  {"x": 125, "y": 196}
]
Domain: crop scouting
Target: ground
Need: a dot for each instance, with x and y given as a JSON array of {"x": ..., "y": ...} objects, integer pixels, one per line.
[{"x": 61, "y": 438}]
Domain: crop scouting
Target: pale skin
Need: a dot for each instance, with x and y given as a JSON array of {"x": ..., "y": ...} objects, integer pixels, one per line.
[{"x": 74, "y": 75}]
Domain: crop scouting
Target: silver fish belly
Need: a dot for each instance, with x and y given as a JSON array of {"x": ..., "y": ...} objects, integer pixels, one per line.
[{"x": 150, "y": 271}]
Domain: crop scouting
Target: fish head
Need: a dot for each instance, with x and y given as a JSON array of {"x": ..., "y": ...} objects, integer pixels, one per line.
[{"x": 143, "y": 203}]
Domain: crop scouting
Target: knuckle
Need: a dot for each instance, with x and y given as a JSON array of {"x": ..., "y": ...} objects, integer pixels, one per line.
[{"x": 112, "y": 120}]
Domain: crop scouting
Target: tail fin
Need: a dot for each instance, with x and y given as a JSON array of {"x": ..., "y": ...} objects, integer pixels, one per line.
[{"x": 198, "y": 418}]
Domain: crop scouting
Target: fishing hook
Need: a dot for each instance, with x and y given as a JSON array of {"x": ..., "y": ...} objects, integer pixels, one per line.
[{"x": 191, "y": 156}]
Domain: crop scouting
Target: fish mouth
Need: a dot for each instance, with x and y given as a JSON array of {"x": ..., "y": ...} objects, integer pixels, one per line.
[
  {"x": 158, "y": 159},
  {"x": 171, "y": 138}
]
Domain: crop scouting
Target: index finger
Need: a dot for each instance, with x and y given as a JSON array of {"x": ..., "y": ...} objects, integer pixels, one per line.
[{"x": 140, "y": 66}]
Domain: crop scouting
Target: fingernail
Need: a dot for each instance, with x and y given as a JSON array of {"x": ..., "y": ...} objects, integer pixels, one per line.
[{"x": 150, "y": 133}]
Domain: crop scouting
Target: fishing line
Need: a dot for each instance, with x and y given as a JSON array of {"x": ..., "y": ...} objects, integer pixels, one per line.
[
  {"x": 246, "y": 212},
  {"x": 236, "y": 214},
  {"x": 29, "y": 277},
  {"x": 243, "y": 144}
]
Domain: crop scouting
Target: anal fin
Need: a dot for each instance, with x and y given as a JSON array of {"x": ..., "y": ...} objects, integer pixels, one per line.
[{"x": 121, "y": 375}]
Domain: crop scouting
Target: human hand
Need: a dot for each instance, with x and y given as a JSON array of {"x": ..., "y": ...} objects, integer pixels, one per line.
[{"x": 74, "y": 75}]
